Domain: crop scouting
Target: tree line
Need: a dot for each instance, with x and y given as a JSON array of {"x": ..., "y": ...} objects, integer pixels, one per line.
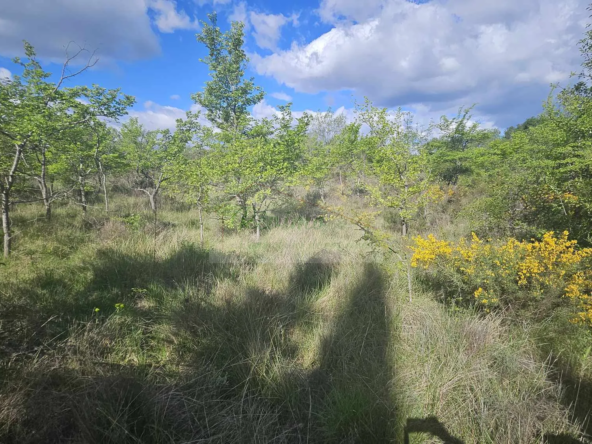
[{"x": 59, "y": 142}]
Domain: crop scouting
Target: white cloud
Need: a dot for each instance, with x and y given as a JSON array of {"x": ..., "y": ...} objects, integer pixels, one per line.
[
  {"x": 116, "y": 29},
  {"x": 168, "y": 19},
  {"x": 263, "y": 110},
  {"x": 155, "y": 116},
  {"x": 239, "y": 14},
  {"x": 267, "y": 28},
  {"x": 499, "y": 53},
  {"x": 213, "y": 2},
  {"x": 5, "y": 74},
  {"x": 281, "y": 96},
  {"x": 175, "y": 97}
]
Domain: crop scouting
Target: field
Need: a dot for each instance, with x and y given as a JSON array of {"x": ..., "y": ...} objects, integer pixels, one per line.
[{"x": 114, "y": 329}]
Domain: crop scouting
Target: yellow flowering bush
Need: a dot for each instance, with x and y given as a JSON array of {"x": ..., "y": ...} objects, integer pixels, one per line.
[{"x": 490, "y": 274}]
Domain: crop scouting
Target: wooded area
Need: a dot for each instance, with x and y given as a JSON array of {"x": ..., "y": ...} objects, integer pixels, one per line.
[{"x": 312, "y": 277}]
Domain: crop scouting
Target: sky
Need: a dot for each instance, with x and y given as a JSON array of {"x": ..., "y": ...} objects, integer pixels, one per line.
[{"x": 429, "y": 57}]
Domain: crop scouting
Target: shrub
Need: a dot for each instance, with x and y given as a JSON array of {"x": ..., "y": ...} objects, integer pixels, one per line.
[{"x": 490, "y": 274}]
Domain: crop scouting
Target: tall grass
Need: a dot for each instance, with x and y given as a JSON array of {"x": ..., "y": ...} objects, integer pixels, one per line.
[{"x": 302, "y": 337}]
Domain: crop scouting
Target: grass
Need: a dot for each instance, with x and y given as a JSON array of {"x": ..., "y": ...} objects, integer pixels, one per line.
[{"x": 302, "y": 337}]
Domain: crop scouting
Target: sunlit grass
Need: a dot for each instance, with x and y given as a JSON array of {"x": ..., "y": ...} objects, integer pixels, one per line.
[{"x": 301, "y": 337}]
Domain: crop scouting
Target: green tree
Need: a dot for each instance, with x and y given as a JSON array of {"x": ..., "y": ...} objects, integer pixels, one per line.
[
  {"x": 191, "y": 172},
  {"x": 396, "y": 160},
  {"x": 254, "y": 167},
  {"x": 108, "y": 156},
  {"x": 151, "y": 155},
  {"x": 320, "y": 148},
  {"x": 449, "y": 152},
  {"x": 37, "y": 115},
  {"x": 528, "y": 123},
  {"x": 227, "y": 97}
]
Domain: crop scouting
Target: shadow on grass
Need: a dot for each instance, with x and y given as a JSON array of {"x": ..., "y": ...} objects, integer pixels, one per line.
[
  {"x": 354, "y": 371},
  {"x": 235, "y": 362},
  {"x": 431, "y": 426},
  {"x": 345, "y": 397},
  {"x": 47, "y": 304},
  {"x": 577, "y": 396},
  {"x": 560, "y": 439},
  {"x": 51, "y": 406}
]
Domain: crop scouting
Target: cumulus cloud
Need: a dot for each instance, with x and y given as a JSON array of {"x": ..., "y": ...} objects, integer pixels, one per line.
[
  {"x": 267, "y": 28},
  {"x": 281, "y": 96},
  {"x": 240, "y": 14},
  {"x": 500, "y": 53},
  {"x": 168, "y": 19},
  {"x": 155, "y": 116},
  {"x": 117, "y": 29},
  {"x": 175, "y": 97},
  {"x": 213, "y": 2},
  {"x": 5, "y": 74},
  {"x": 264, "y": 110}
]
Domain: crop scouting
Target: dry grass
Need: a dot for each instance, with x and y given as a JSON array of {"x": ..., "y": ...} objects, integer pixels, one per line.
[
  {"x": 300, "y": 338},
  {"x": 479, "y": 378}
]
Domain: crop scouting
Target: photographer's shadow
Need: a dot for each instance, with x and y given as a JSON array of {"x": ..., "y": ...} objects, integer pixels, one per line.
[{"x": 432, "y": 426}]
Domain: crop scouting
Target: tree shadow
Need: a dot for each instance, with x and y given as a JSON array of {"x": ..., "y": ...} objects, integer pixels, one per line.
[
  {"x": 431, "y": 426},
  {"x": 577, "y": 396},
  {"x": 560, "y": 439},
  {"x": 249, "y": 334},
  {"x": 237, "y": 374},
  {"x": 111, "y": 402},
  {"x": 314, "y": 274},
  {"x": 47, "y": 304}
]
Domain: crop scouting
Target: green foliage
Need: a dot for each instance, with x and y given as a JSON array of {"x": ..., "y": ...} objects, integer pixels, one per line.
[
  {"x": 395, "y": 158},
  {"x": 450, "y": 151},
  {"x": 228, "y": 95}
]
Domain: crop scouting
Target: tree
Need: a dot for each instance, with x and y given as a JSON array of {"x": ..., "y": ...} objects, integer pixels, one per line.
[
  {"x": 321, "y": 155},
  {"x": 108, "y": 156},
  {"x": 396, "y": 160},
  {"x": 151, "y": 154},
  {"x": 254, "y": 166},
  {"x": 250, "y": 158},
  {"x": 448, "y": 153},
  {"x": 38, "y": 114},
  {"x": 227, "y": 97},
  {"x": 191, "y": 172},
  {"x": 528, "y": 123},
  {"x": 347, "y": 155}
]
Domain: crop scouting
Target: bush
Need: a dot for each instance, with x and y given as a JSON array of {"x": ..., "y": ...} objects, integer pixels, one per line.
[{"x": 489, "y": 274}]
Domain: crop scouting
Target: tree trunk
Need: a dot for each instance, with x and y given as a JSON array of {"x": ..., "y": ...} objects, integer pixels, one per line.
[
  {"x": 243, "y": 206},
  {"x": 10, "y": 179},
  {"x": 82, "y": 193},
  {"x": 45, "y": 193},
  {"x": 201, "y": 226},
  {"x": 340, "y": 182},
  {"x": 404, "y": 228},
  {"x": 152, "y": 197},
  {"x": 6, "y": 222},
  {"x": 105, "y": 196},
  {"x": 257, "y": 224}
]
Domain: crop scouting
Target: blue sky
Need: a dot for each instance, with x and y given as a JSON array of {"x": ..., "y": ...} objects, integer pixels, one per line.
[{"x": 429, "y": 57}]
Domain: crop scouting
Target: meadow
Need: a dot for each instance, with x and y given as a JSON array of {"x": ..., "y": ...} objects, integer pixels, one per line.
[
  {"x": 116, "y": 329},
  {"x": 311, "y": 277}
]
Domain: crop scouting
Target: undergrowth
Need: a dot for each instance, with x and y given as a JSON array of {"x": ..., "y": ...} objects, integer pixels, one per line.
[{"x": 116, "y": 330}]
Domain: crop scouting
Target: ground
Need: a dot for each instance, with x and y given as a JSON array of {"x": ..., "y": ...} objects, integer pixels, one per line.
[{"x": 116, "y": 330}]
